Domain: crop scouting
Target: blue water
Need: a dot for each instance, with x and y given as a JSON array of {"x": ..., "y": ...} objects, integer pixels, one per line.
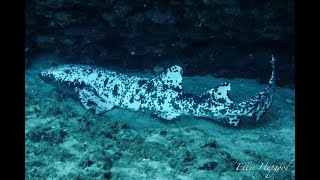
[{"x": 212, "y": 41}]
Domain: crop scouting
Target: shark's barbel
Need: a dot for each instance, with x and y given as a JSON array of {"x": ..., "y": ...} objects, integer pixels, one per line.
[{"x": 101, "y": 89}]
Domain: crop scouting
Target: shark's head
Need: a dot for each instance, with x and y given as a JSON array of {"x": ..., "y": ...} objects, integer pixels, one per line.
[{"x": 65, "y": 76}]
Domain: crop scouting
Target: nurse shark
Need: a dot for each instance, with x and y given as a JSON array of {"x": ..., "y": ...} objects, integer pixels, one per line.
[{"x": 101, "y": 89}]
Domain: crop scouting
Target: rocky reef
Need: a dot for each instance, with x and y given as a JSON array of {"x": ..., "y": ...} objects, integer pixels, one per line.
[{"x": 225, "y": 38}]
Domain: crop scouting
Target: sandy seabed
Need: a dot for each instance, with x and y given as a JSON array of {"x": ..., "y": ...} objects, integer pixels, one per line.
[{"x": 66, "y": 141}]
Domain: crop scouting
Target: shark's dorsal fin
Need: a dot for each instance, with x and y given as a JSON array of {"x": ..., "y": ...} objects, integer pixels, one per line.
[
  {"x": 220, "y": 93},
  {"x": 170, "y": 79}
]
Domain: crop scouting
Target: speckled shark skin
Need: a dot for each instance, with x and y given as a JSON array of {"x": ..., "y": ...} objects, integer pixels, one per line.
[{"x": 101, "y": 89}]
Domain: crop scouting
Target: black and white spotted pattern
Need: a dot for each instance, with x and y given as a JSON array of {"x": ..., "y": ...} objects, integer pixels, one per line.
[{"x": 101, "y": 89}]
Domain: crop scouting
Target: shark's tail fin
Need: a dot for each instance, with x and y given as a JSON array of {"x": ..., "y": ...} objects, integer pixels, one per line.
[
  {"x": 272, "y": 80},
  {"x": 257, "y": 106}
]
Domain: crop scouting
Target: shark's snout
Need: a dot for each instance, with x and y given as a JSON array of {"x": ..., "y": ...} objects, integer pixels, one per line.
[
  {"x": 59, "y": 77},
  {"x": 43, "y": 78},
  {"x": 46, "y": 76}
]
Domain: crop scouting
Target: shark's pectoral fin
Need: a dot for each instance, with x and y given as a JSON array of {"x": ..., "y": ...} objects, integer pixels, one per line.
[
  {"x": 233, "y": 121},
  {"x": 220, "y": 93},
  {"x": 167, "y": 115},
  {"x": 91, "y": 101}
]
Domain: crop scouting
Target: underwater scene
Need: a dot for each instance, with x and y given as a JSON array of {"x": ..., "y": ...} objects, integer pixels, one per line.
[{"x": 182, "y": 90}]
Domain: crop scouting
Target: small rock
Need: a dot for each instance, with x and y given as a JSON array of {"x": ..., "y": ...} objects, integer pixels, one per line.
[
  {"x": 107, "y": 175},
  {"x": 107, "y": 164},
  {"x": 209, "y": 166},
  {"x": 163, "y": 133},
  {"x": 211, "y": 144},
  {"x": 86, "y": 164}
]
